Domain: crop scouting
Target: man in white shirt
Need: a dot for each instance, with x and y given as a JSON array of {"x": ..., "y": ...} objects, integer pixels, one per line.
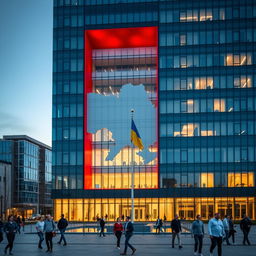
[{"x": 216, "y": 232}]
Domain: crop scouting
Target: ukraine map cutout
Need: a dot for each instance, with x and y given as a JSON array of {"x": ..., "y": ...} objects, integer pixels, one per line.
[{"x": 113, "y": 112}]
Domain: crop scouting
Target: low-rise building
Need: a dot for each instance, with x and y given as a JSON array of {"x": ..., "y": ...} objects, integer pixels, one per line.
[{"x": 30, "y": 174}]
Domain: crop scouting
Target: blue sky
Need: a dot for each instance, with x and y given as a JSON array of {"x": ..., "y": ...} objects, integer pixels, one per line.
[{"x": 26, "y": 68}]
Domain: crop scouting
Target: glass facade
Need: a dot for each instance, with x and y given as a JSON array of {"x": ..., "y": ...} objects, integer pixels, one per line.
[
  {"x": 31, "y": 174},
  {"x": 201, "y": 78},
  {"x": 6, "y": 151},
  {"x": 150, "y": 208},
  {"x": 45, "y": 184},
  {"x": 28, "y": 165}
]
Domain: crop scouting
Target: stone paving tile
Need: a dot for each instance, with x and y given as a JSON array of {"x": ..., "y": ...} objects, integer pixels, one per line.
[{"x": 157, "y": 245}]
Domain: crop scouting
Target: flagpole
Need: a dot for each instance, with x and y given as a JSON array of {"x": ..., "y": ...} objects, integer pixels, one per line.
[{"x": 132, "y": 172}]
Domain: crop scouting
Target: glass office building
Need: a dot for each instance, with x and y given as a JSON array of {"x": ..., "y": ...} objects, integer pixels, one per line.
[
  {"x": 31, "y": 174},
  {"x": 187, "y": 68}
]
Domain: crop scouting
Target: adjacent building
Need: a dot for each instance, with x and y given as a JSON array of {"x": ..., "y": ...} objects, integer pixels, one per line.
[
  {"x": 30, "y": 180},
  {"x": 187, "y": 68},
  {"x": 5, "y": 187}
]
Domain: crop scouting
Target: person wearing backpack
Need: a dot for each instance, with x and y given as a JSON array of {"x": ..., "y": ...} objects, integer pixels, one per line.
[
  {"x": 62, "y": 225},
  {"x": 49, "y": 229}
]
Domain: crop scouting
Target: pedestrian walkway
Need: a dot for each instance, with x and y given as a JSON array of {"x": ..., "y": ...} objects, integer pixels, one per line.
[{"x": 150, "y": 244}]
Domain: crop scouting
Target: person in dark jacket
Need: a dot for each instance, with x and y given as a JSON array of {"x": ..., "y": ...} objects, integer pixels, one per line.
[
  {"x": 118, "y": 229},
  {"x": 18, "y": 221},
  {"x": 198, "y": 233},
  {"x": 232, "y": 230},
  {"x": 102, "y": 227},
  {"x": 62, "y": 225},
  {"x": 10, "y": 229},
  {"x": 128, "y": 229},
  {"x": 245, "y": 226},
  {"x": 176, "y": 229},
  {"x": 159, "y": 224},
  {"x": 23, "y": 223},
  {"x": 1, "y": 231}
]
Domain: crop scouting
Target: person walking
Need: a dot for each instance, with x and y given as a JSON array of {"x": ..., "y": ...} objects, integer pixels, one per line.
[
  {"x": 23, "y": 223},
  {"x": 245, "y": 226},
  {"x": 1, "y": 231},
  {"x": 176, "y": 229},
  {"x": 10, "y": 229},
  {"x": 128, "y": 229},
  {"x": 216, "y": 232},
  {"x": 18, "y": 221},
  {"x": 159, "y": 224},
  {"x": 49, "y": 229},
  {"x": 118, "y": 229},
  {"x": 62, "y": 225},
  {"x": 226, "y": 229},
  {"x": 232, "y": 230},
  {"x": 40, "y": 231},
  {"x": 197, "y": 230},
  {"x": 102, "y": 227}
]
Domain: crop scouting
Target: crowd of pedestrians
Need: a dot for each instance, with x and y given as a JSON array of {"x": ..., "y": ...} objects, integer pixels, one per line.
[{"x": 218, "y": 230}]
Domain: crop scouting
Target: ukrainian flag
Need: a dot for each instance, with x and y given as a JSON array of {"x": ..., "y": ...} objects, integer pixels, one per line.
[{"x": 135, "y": 137}]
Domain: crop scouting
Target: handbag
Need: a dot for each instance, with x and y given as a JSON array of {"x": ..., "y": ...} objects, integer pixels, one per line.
[{"x": 53, "y": 232}]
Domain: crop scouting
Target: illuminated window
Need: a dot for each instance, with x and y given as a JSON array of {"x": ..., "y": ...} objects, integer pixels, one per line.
[
  {"x": 183, "y": 17},
  {"x": 209, "y": 14},
  {"x": 209, "y": 84},
  {"x": 190, "y": 105},
  {"x": 195, "y": 15},
  {"x": 241, "y": 179},
  {"x": 246, "y": 82},
  {"x": 219, "y": 105},
  {"x": 202, "y": 15},
  {"x": 242, "y": 81},
  {"x": 203, "y": 83},
  {"x": 222, "y": 14},
  {"x": 229, "y": 60},
  {"x": 184, "y": 130},
  {"x": 207, "y": 180},
  {"x": 238, "y": 59}
]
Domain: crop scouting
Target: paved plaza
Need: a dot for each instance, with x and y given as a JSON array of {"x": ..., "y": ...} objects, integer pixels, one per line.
[{"x": 147, "y": 244}]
